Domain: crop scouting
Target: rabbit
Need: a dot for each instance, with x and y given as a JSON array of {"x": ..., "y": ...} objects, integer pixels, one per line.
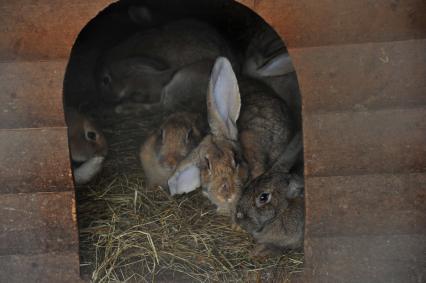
[
  {"x": 110, "y": 27},
  {"x": 271, "y": 207},
  {"x": 222, "y": 163},
  {"x": 268, "y": 60},
  {"x": 88, "y": 146},
  {"x": 166, "y": 147},
  {"x": 185, "y": 91},
  {"x": 140, "y": 67}
]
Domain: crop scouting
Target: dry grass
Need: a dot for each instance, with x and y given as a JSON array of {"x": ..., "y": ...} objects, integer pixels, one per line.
[{"x": 129, "y": 233}]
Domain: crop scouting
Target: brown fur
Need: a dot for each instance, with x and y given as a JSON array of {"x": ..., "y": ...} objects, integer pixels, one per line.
[
  {"x": 82, "y": 148},
  {"x": 167, "y": 146}
]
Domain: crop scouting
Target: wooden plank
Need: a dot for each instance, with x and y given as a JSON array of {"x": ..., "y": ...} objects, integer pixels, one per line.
[
  {"x": 38, "y": 223},
  {"x": 362, "y": 77},
  {"x": 31, "y": 94},
  {"x": 367, "y": 142},
  {"x": 331, "y": 22},
  {"x": 43, "y": 29},
  {"x": 52, "y": 267},
  {"x": 365, "y": 205},
  {"x": 369, "y": 259},
  {"x": 34, "y": 160}
]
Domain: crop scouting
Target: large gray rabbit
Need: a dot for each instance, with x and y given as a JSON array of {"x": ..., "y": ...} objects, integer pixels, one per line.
[
  {"x": 146, "y": 67},
  {"x": 267, "y": 59},
  {"x": 219, "y": 163},
  {"x": 271, "y": 207}
]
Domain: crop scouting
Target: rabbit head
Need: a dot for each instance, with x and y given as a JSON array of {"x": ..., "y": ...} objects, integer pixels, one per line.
[
  {"x": 85, "y": 138},
  {"x": 165, "y": 148},
  {"x": 271, "y": 207},
  {"x": 216, "y": 164},
  {"x": 137, "y": 78}
]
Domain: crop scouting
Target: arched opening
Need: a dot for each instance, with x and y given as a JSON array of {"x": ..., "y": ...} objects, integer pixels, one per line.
[{"x": 128, "y": 229}]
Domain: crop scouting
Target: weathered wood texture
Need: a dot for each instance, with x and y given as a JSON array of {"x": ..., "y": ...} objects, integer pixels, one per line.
[
  {"x": 365, "y": 142},
  {"x": 36, "y": 223},
  {"x": 334, "y": 22},
  {"x": 380, "y": 204},
  {"x": 34, "y": 160},
  {"x": 43, "y": 268},
  {"x": 43, "y": 29},
  {"x": 378, "y": 259},
  {"x": 31, "y": 94},
  {"x": 360, "y": 77}
]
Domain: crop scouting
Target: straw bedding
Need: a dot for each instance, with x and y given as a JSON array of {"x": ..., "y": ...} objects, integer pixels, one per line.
[{"x": 129, "y": 233}]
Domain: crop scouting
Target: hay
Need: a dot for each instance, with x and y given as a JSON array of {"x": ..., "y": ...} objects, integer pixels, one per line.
[{"x": 129, "y": 233}]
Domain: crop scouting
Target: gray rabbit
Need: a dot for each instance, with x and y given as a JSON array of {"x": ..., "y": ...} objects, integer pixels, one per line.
[
  {"x": 225, "y": 158},
  {"x": 267, "y": 59},
  {"x": 271, "y": 207},
  {"x": 146, "y": 67}
]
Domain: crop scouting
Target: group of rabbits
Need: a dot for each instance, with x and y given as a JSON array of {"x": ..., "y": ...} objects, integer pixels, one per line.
[{"x": 231, "y": 125}]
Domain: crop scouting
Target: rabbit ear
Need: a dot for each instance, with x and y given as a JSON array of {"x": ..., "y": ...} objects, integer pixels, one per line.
[
  {"x": 223, "y": 100},
  {"x": 187, "y": 176},
  {"x": 276, "y": 66},
  {"x": 296, "y": 186},
  {"x": 291, "y": 154}
]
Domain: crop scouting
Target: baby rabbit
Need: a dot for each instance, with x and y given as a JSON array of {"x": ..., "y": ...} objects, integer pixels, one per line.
[
  {"x": 271, "y": 207},
  {"x": 165, "y": 148},
  {"x": 140, "y": 67},
  {"x": 217, "y": 164},
  {"x": 88, "y": 146},
  {"x": 267, "y": 59}
]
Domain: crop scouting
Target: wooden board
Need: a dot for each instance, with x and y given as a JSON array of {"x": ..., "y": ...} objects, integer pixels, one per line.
[
  {"x": 31, "y": 94},
  {"x": 38, "y": 223},
  {"x": 366, "y": 142},
  {"x": 50, "y": 267},
  {"x": 335, "y": 22},
  {"x": 366, "y": 259},
  {"x": 35, "y": 30},
  {"x": 366, "y": 205},
  {"x": 361, "y": 77},
  {"x": 34, "y": 160}
]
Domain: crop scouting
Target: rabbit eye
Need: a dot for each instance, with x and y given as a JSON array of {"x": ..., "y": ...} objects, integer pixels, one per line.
[
  {"x": 264, "y": 198},
  {"x": 162, "y": 135},
  {"x": 91, "y": 136},
  {"x": 189, "y": 136},
  {"x": 209, "y": 167},
  {"x": 106, "y": 80}
]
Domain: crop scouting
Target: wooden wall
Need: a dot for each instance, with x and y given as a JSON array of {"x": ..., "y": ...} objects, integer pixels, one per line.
[
  {"x": 362, "y": 68},
  {"x": 38, "y": 232}
]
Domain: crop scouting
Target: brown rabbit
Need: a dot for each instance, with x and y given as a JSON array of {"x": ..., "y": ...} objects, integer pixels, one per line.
[
  {"x": 217, "y": 164},
  {"x": 87, "y": 144},
  {"x": 271, "y": 207},
  {"x": 165, "y": 148}
]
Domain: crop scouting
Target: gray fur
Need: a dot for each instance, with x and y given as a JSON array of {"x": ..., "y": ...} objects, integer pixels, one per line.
[
  {"x": 153, "y": 58},
  {"x": 279, "y": 223}
]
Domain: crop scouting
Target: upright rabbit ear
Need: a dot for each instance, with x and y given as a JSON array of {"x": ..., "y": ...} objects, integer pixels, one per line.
[
  {"x": 296, "y": 186},
  {"x": 276, "y": 66},
  {"x": 223, "y": 100},
  {"x": 291, "y": 154},
  {"x": 187, "y": 176}
]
